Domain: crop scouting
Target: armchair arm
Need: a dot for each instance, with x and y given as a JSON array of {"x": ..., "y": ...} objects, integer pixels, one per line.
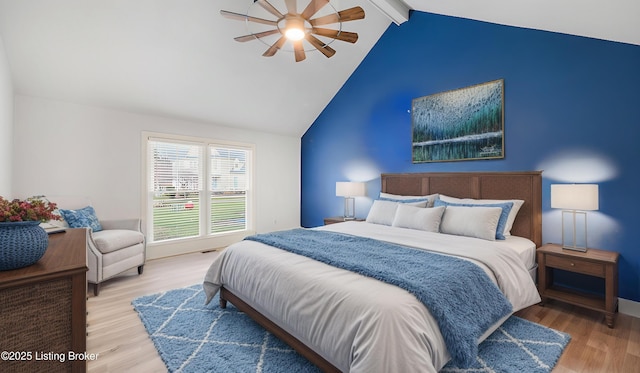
[
  {"x": 94, "y": 260},
  {"x": 133, "y": 224}
]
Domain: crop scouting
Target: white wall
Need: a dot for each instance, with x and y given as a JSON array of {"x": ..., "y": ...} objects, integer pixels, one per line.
[
  {"x": 64, "y": 149},
  {"x": 6, "y": 124}
]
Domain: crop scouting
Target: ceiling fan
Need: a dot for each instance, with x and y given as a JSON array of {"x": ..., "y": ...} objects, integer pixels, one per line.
[{"x": 297, "y": 27}]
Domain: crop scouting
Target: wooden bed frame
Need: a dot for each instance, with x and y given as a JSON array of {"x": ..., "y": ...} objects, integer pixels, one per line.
[{"x": 525, "y": 185}]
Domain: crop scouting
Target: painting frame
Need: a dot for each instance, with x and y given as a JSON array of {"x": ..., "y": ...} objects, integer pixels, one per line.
[{"x": 459, "y": 125}]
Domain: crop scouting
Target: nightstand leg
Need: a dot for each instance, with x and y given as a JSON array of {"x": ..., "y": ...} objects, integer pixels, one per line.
[
  {"x": 610, "y": 319},
  {"x": 611, "y": 294},
  {"x": 544, "y": 277}
]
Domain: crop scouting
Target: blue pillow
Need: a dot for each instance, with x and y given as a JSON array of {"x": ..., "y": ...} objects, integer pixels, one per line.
[
  {"x": 504, "y": 216},
  {"x": 410, "y": 201},
  {"x": 82, "y": 218}
]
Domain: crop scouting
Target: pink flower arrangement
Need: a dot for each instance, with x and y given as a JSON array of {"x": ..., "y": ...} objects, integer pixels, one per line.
[{"x": 31, "y": 209}]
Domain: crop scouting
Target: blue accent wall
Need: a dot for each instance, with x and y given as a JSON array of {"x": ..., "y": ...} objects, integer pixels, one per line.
[{"x": 572, "y": 109}]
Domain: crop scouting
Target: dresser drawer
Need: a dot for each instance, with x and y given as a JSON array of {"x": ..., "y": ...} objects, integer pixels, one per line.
[{"x": 576, "y": 265}]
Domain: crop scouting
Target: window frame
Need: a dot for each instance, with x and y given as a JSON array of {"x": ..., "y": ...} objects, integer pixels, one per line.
[{"x": 205, "y": 239}]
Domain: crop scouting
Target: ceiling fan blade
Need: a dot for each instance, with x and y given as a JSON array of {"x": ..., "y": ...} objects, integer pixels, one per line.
[
  {"x": 349, "y": 37},
  {"x": 351, "y": 14},
  {"x": 242, "y": 17},
  {"x": 275, "y": 47},
  {"x": 313, "y": 7},
  {"x": 298, "y": 50},
  {"x": 270, "y": 8},
  {"x": 291, "y": 6},
  {"x": 346, "y": 15},
  {"x": 256, "y": 35},
  {"x": 322, "y": 47}
]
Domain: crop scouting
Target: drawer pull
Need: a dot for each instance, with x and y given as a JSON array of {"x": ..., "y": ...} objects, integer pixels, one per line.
[{"x": 573, "y": 264}]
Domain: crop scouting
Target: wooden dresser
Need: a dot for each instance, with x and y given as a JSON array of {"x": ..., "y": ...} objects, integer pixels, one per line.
[{"x": 43, "y": 309}]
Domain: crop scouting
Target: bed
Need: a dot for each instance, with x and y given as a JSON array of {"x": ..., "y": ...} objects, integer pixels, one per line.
[{"x": 342, "y": 320}]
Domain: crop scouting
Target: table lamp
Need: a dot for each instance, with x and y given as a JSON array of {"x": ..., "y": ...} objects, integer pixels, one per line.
[
  {"x": 574, "y": 199},
  {"x": 349, "y": 190}
]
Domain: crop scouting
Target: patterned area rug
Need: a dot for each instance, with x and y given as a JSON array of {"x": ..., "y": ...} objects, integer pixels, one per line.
[{"x": 192, "y": 337}]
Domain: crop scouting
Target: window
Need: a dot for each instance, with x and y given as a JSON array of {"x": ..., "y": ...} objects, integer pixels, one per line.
[
  {"x": 228, "y": 191},
  {"x": 197, "y": 189}
]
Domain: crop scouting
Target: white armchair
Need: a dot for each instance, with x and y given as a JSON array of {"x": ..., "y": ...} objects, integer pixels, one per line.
[{"x": 117, "y": 248}]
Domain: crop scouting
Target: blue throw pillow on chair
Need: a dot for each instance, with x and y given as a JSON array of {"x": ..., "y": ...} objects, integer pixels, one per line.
[{"x": 82, "y": 218}]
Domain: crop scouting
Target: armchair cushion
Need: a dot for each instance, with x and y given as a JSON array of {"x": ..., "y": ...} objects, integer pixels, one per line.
[
  {"x": 132, "y": 224},
  {"x": 115, "y": 239},
  {"x": 82, "y": 218}
]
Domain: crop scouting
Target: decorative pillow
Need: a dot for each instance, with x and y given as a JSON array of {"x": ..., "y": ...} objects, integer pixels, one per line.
[
  {"x": 479, "y": 221},
  {"x": 412, "y": 202},
  {"x": 517, "y": 204},
  {"x": 82, "y": 218},
  {"x": 504, "y": 215},
  {"x": 399, "y": 198},
  {"x": 382, "y": 212},
  {"x": 418, "y": 218}
]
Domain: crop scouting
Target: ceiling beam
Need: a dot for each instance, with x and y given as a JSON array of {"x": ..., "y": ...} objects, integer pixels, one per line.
[{"x": 396, "y": 10}]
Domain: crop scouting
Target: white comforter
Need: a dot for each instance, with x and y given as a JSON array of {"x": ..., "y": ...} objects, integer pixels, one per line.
[{"x": 357, "y": 323}]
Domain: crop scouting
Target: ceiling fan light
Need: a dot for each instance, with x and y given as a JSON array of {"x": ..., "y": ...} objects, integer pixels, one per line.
[
  {"x": 294, "y": 28},
  {"x": 294, "y": 34}
]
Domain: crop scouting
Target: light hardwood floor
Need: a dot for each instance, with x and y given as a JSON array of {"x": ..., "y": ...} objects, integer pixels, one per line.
[
  {"x": 117, "y": 335},
  {"x": 114, "y": 329}
]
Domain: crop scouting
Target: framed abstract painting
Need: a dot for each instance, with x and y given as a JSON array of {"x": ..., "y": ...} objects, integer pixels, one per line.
[{"x": 457, "y": 125}]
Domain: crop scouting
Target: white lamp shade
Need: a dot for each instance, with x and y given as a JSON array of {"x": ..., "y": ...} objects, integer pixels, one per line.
[
  {"x": 574, "y": 196},
  {"x": 350, "y": 189}
]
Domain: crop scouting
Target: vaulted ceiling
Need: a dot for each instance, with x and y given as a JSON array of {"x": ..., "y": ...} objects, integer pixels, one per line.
[{"x": 178, "y": 58}]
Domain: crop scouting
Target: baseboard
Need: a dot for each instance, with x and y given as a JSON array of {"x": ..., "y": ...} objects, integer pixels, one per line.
[
  {"x": 179, "y": 247},
  {"x": 629, "y": 307}
]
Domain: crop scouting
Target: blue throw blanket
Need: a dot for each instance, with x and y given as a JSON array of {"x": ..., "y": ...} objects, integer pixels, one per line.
[{"x": 459, "y": 295}]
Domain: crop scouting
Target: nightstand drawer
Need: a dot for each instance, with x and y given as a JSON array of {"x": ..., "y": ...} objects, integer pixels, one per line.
[{"x": 576, "y": 265}]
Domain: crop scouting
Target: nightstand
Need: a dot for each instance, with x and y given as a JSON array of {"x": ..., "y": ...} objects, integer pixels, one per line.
[
  {"x": 593, "y": 262},
  {"x": 338, "y": 219}
]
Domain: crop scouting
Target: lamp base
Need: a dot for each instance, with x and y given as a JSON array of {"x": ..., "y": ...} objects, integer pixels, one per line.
[
  {"x": 349, "y": 208},
  {"x": 575, "y": 248},
  {"x": 574, "y": 230}
]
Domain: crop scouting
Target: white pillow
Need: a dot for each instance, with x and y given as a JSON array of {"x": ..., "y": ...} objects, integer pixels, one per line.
[
  {"x": 418, "y": 218},
  {"x": 382, "y": 212},
  {"x": 396, "y": 197},
  {"x": 478, "y": 222},
  {"x": 517, "y": 203}
]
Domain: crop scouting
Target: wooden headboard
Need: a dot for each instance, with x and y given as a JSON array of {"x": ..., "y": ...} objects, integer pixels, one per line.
[{"x": 526, "y": 186}]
